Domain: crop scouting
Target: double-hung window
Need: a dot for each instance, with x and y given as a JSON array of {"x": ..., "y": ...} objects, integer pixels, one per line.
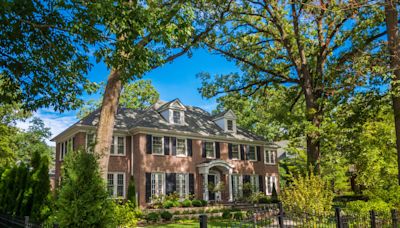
[
  {"x": 270, "y": 182},
  {"x": 182, "y": 186},
  {"x": 237, "y": 186},
  {"x": 235, "y": 151},
  {"x": 229, "y": 124},
  {"x": 176, "y": 116},
  {"x": 158, "y": 145},
  {"x": 89, "y": 142},
  {"x": 116, "y": 184},
  {"x": 252, "y": 153},
  {"x": 65, "y": 147},
  {"x": 254, "y": 183},
  {"x": 181, "y": 147},
  {"x": 270, "y": 157},
  {"x": 157, "y": 184},
  {"x": 117, "y": 145},
  {"x": 210, "y": 152}
]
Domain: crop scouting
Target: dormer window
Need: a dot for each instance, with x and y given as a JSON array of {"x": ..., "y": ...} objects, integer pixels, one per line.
[
  {"x": 177, "y": 117},
  {"x": 230, "y": 125}
]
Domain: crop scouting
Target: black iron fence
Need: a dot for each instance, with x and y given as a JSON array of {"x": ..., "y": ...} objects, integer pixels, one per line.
[{"x": 275, "y": 216}]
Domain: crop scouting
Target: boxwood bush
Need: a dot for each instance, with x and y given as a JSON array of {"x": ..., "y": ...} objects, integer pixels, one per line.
[
  {"x": 197, "y": 203},
  {"x": 152, "y": 217},
  {"x": 166, "y": 215},
  {"x": 186, "y": 203}
]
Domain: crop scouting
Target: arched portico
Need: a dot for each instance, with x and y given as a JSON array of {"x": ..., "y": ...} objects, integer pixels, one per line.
[{"x": 205, "y": 169}]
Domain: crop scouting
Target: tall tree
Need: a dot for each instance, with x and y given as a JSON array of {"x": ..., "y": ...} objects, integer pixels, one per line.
[
  {"x": 148, "y": 34},
  {"x": 136, "y": 95},
  {"x": 44, "y": 52},
  {"x": 392, "y": 27},
  {"x": 319, "y": 48}
]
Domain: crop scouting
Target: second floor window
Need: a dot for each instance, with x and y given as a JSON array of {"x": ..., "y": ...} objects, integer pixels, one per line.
[
  {"x": 251, "y": 153},
  {"x": 270, "y": 157},
  {"x": 117, "y": 145},
  {"x": 176, "y": 117},
  {"x": 210, "y": 153},
  {"x": 157, "y": 145},
  {"x": 235, "y": 152},
  {"x": 180, "y": 147}
]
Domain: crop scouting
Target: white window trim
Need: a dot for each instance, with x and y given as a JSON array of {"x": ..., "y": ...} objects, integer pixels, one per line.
[
  {"x": 266, "y": 184},
  {"x": 213, "y": 143},
  {"x": 186, "y": 176},
  {"x": 115, "y": 183},
  {"x": 163, "y": 190},
  {"x": 64, "y": 147},
  {"x": 266, "y": 154},
  {"x": 162, "y": 145},
  {"x": 171, "y": 116},
  {"x": 255, "y": 152},
  {"x": 116, "y": 146},
  {"x": 239, "y": 156},
  {"x": 239, "y": 185},
  {"x": 86, "y": 139},
  {"x": 186, "y": 149}
]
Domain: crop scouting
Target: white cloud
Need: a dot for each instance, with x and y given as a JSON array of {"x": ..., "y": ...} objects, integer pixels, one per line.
[{"x": 55, "y": 121}]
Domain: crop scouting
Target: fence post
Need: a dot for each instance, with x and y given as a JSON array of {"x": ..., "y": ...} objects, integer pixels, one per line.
[
  {"x": 280, "y": 216},
  {"x": 394, "y": 218},
  {"x": 26, "y": 221},
  {"x": 203, "y": 221},
  {"x": 373, "y": 217},
  {"x": 339, "y": 223}
]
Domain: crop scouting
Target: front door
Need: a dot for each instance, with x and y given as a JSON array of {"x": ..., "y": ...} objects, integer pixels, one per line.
[{"x": 211, "y": 182}]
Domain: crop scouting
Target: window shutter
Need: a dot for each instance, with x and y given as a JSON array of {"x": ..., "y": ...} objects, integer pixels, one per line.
[
  {"x": 166, "y": 145},
  {"x": 173, "y": 139},
  {"x": 170, "y": 183},
  {"x": 191, "y": 183},
  {"x": 242, "y": 152},
  {"x": 230, "y": 150},
  {"x": 246, "y": 179},
  {"x": 217, "y": 150},
  {"x": 258, "y": 153},
  {"x": 148, "y": 187},
  {"x": 148, "y": 144},
  {"x": 189, "y": 147},
  {"x": 203, "y": 154},
  {"x": 261, "y": 183}
]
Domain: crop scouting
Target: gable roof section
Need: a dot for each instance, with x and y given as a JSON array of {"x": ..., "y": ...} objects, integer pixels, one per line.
[
  {"x": 228, "y": 114},
  {"x": 197, "y": 121}
]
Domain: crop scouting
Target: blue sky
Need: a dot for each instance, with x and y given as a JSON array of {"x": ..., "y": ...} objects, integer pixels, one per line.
[{"x": 174, "y": 80}]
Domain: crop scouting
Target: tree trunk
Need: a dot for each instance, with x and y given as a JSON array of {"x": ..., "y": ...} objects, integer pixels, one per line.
[
  {"x": 313, "y": 145},
  {"x": 393, "y": 46},
  {"x": 105, "y": 126}
]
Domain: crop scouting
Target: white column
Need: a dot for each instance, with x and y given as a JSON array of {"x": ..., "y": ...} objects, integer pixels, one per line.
[
  {"x": 230, "y": 186},
  {"x": 205, "y": 186}
]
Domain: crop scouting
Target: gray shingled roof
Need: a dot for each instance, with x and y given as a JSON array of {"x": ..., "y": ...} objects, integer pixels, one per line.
[{"x": 197, "y": 121}]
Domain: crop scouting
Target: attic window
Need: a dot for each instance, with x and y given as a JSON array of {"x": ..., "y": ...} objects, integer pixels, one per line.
[
  {"x": 177, "y": 117},
  {"x": 230, "y": 125}
]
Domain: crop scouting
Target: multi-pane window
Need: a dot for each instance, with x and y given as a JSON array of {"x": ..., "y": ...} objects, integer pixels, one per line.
[
  {"x": 230, "y": 125},
  {"x": 270, "y": 157},
  {"x": 176, "y": 116},
  {"x": 236, "y": 186},
  {"x": 182, "y": 187},
  {"x": 120, "y": 185},
  {"x": 117, "y": 145},
  {"x": 157, "y": 183},
  {"x": 89, "y": 142},
  {"x": 235, "y": 151},
  {"x": 66, "y": 147},
  {"x": 157, "y": 145},
  {"x": 254, "y": 183},
  {"x": 252, "y": 153},
  {"x": 270, "y": 182},
  {"x": 209, "y": 147},
  {"x": 180, "y": 147},
  {"x": 110, "y": 184},
  {"x": 116, "y": 184}
]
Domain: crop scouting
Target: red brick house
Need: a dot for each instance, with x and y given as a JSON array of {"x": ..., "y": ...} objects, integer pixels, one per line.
[{"x": 171, "y": 147}]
